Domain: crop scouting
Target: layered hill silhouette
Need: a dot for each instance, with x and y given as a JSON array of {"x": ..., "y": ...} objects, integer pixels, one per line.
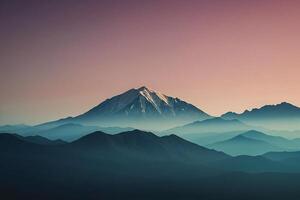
[
  {"x": 210, "y": 131},
  {"x": 212, "y": 125},
  {"x": 147, "y": 109},
  {"x": 138, "y": 164},
  {"x": 71, "y": 131},
  {"x": 242, "y": 145},
  {"x": 135, "y": 144},
  {"x": 286, "y": 157},
  {"x": 255, "y": 143},
  {"x": 132, "y": 147},
  {"x": 68, "y": 131},
  {"x": 146, "y": 145}
]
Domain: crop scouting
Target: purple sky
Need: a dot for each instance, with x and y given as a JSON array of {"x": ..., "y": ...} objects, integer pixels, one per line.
[{"x": 60, "y": 58}]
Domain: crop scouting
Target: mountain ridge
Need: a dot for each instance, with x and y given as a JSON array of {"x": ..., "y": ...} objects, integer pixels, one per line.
[
  {"x": 283, "y": 116},
  {"x": 242, "y": 145},
  {"x": 275, "y": 108},
  {"x": 139, "y": 108}
]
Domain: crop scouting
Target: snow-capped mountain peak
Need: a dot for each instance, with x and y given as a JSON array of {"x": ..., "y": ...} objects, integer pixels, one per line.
[
  {"x": 143, "y": 104},
  {"x": 155, "y": 98}
]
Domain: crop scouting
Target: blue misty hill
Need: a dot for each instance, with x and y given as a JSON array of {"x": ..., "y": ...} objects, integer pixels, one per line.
[
  {"x": 255, "y": 143},
  {"x": 242, "y": 145},
  {"x": 213, "y": 125}
]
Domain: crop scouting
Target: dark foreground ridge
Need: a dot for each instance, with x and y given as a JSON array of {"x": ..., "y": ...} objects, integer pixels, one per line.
[{"x": 140, "y": 165}]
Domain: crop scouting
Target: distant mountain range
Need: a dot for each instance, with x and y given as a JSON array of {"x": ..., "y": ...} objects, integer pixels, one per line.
[
  {"x": 242, "y": 145},
  {"x": 255, "y": 143},
  {"x": 212, "y": 125},
  {"x": 146, "y": 145},
  {"x": 147, "y": 109},
  {"x": 196, "y": 156},
  {"x": 131, "y": 143},
  {"x": 133, "y": 146},
  {"x": 68, "y": 131},
  {"x": 211, "y": 130},
  {"x": 284, "y": 116}
]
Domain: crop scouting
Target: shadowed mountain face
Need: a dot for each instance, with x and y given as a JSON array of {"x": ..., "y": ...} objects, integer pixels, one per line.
[
  {"x": 282, "y": 116},
  {"x": 146, "y": 145},
  {"x": 43, "y": 141},
  {"x": 141, "y": 108},
  {"x": 134, "y": 144},
  {"x": 29, "y": 139}
]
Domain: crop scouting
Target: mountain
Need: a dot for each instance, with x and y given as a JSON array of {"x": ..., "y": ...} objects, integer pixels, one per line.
[
  {"x": 210, "y": 130},
  {"x": 283, "y": 143},
  {"x": 212, "y": 125},
  {"x": 67, "y": 131},
  {"x": 138, "y": 165},
  {"x": 41, "y": 140},
  {"x": 72, "y": 131},
  {"x": 242, "y": 145},
  {"x": 135, "y": 144},
  {"x": 13, "y": 128},
  {"x": 262, "y": 136},
  {"x": 30, "y": 139},
  {"x": 290, "y": 159},
  {"x": 283, "y": 116},
  {"x": 146, "y": 145},
  {"x": 140, "y": 108}
]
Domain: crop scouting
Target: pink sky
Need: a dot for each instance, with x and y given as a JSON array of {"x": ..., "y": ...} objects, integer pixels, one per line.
[{"x": 60, "y": 59}]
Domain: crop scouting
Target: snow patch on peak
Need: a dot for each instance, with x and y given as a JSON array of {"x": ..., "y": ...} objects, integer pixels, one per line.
[
  {"x": 149, "y": 97},
  {"x": 163, "y": 97},
  {"x": 151, "y": 94},
  {"x": 143, "y": 88}
]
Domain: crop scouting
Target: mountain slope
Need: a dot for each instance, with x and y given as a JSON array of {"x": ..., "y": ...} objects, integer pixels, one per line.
[
  {"x": 14, "y": 138},
  {"x": 140, "y": 108},
  {"x": 282, "y": 156},
  {"x": 13, "y": 128},
  {"x": 146, "y": 103},
  {"x": 67, "y": 131},
  {"x": 278, "y": 141},
  {"x": 71, "y": 131},
  {"x": 210, "y": 125},
  {"x": 242, "y": 145},
  {"x": 137, "y": 165},
  {"x": 283, "y": 116},
  {"x": 146, "y": 145},
  {"x": 43, "y": 141},
  {"x": 210, "y": 131}
]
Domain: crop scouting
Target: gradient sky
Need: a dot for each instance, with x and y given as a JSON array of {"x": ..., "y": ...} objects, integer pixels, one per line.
[{"x": 60, "y": 58}]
